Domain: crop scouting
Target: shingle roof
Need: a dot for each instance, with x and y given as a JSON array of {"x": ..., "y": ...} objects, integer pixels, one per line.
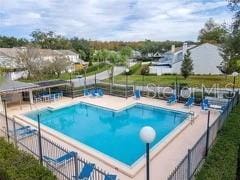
[{"x": 7, "y": 86}]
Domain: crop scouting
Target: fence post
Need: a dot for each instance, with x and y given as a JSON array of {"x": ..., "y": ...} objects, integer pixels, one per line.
[
  {"x": 189, "y": 165},
  {"x": 6, "y": 118},
  {"x": 39, "y": 140},
  {"x": 76, "y": 165},
  {"x": 14, "y": 133},
  {"x": 207, "y": 138}
]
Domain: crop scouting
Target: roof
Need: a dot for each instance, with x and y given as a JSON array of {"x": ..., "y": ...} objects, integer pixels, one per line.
[
  {"x": 8, "y": 86},
  {"x": 51, "y": 83},
  {"x": 12, "y": 52},
  {"x": 67, "y": 52}
]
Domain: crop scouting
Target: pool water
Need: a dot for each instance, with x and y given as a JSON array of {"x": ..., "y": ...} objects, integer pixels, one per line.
[{"x": 114, "y": 133}]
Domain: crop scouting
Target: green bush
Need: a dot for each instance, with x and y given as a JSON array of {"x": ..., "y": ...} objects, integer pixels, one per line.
[
  {"x": 221, "y": 162},
  {"x": 145, "y": 70},
  {"x": 15, "y": 164}
]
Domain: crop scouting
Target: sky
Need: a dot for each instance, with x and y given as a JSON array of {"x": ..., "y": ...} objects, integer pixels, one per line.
[{"x": 127, "y": 20}]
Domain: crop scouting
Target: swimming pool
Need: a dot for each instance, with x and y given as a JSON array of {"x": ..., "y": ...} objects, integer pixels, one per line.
[{"x": 114, "y": 133}]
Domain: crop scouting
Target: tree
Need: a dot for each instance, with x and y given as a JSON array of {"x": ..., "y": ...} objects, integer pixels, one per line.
[
  {"x": 50, "y": 40},
  {"x": 30, "y": 59},
  {"x": 235, "y": 7},
  {"x": 57, "y": 66},
  {"x": 212, "y": 32},
  {"x": 187, "y": 65},
  {"x": 126, "y": 53}
]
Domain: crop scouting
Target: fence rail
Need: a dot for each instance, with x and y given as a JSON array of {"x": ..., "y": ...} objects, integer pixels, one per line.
[
  {"x": 187, "y": 168},
  {"x": 68, "y": 169}
]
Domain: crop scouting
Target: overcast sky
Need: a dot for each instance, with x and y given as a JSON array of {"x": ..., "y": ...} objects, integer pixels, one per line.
[{"x": 112, "y": 19}]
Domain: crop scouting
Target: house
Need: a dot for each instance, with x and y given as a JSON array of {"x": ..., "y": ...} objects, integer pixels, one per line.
[
  {"x": 15, "y": 71},
  {"x": 206, "y": 59}
]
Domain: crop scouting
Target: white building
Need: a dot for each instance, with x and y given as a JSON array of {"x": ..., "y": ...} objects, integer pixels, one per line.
[
  {"x": 206, "y": 60},
  {"x": 15, "y": 71}
]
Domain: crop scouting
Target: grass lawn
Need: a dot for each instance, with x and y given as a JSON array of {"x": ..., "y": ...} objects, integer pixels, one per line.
[
  {"x": 193, "y": 81},
  {"x": 222, "y": 161}
]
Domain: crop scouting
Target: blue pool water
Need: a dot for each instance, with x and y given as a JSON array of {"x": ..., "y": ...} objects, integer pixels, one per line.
[{"x": 114, "y": 133}]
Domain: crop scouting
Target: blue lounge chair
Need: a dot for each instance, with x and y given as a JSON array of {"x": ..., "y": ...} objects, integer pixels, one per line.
[
  {"x": 137, "y": 94},
  {"x": 19, "y": 130},
  {"x": 86, "y": 171},
  {"x": 110, "y": 177},
  {"x": 205, "y": 105},
  {"x": 26, "y": 133},
  {"x": 189, "y": 102},
  {"x": 172, "y": 99},
  {"x": 61, "y": 159},
  {"x": 86, "y": 92},
  {"x": 100, "y": 92}
]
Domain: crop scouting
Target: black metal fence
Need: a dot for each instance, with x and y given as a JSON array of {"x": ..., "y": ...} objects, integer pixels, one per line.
[
  {"x": 40, "y": 147},
  {"x": 193, "y": 159}
]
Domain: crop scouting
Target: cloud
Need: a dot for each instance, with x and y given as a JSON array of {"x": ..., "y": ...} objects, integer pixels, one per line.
[{"x": 112, "y": 19}]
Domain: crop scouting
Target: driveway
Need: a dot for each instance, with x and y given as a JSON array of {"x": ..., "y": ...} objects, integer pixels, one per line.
[{"x": 100, "y": 76}]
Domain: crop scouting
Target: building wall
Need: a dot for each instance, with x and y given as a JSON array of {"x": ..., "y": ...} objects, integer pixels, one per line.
[
  {"x": 206, "y": 58},
  {"x": 159, "y": 70}
]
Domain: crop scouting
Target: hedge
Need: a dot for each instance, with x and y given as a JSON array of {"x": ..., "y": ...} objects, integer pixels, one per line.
[
  {"x": 16, "y": 164},
  {"x": 222, "y": 161}
]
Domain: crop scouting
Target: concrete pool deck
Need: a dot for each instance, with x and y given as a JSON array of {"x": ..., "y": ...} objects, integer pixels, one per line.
[{"x": 162, "y": 162}]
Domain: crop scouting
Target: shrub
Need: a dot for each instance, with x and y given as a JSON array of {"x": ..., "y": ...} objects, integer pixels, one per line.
[
  {"x": 15, "y": 164},
  {"x": 145, "y": 70}
]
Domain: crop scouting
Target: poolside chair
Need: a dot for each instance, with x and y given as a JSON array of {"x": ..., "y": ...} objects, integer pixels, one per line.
[
  {"x": 204, "y": 105},
  {"x": 172, "y": 99},
  {"x": 137, "y": 94},
  {"x": 110, "y": 177},
  {"x": 19, "y": 130},
  {"x": 52, "y": 97},
  {"x": 86, "y": 171},
  {"x": 99, "y": 92},
  {"x": 93, "y": 93},
  {"x": 62, "y": 159},
  {"x": 26, "y": 133},
  {"x": 86, "y": 92},
  {"x": 189, "y": 102}
]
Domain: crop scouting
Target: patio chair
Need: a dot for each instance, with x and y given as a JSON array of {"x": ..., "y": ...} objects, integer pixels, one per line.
[
  {"x": 172, "y": 99},
  {"x": 52, "y": 97},
  {"x": 26, "y": 133},
  {"x": 110, "y": 177},
  {"x": 100, "y": 92},
  {"x": 204, "y": 105},
  {"x": 86, "y": 171},
  {"x": 189, "y": 102},
  {"x": 58, "y": 161},
  {"x": 86, "y": 92},
  {"x": 93, "y": 93},
  {"x": 137, "y": 94},
  {"x": 19, "y": 130}
]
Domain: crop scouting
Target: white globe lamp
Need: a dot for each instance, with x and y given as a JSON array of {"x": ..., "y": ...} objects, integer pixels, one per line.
[{"x": 147, "y": 135}]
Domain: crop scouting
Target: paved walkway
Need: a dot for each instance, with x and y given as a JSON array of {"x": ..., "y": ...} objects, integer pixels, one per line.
[{"x": 100, "y": 76}]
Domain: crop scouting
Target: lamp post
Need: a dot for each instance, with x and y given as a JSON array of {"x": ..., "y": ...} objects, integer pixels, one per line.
[
  {"x": 85, "y": 76},
  {"x": 234, "y": 74},
  {"x": 39, "y": 139},
  {"x": 70, "y": 78},
  {"x": 126, "y": 89},
  {"x": 147, "y": 135}
]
